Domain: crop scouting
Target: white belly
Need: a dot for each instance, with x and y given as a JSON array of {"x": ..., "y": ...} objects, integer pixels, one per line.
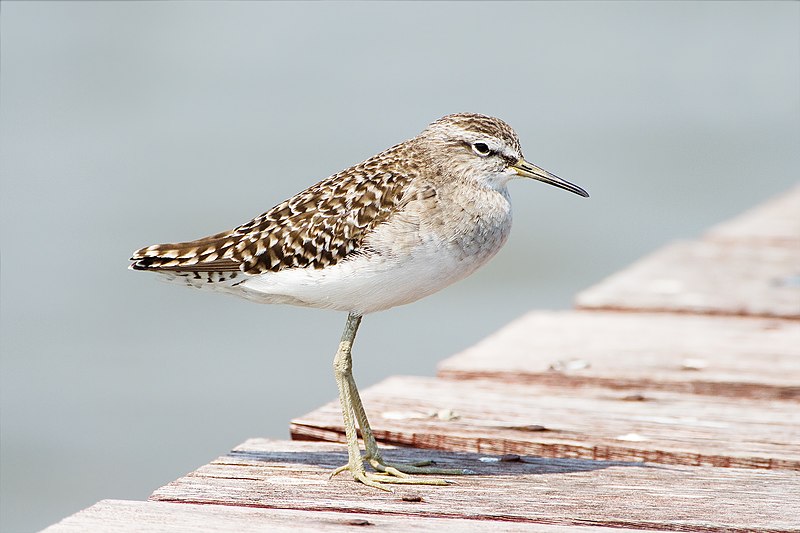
[{"x": 366, "y": 283}]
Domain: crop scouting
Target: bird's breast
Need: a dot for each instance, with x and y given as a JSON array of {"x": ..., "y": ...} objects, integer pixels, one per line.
[{"x": 451, "y": 234}]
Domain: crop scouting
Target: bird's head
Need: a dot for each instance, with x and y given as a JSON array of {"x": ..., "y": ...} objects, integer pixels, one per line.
[{"x": 482, "y": 149}]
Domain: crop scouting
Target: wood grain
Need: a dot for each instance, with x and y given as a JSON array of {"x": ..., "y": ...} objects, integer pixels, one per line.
[
  {"x": 592, "y": 423},
  {"x": 274, "y": 474},
  {"x": 728, "y": 356},
  {"x": 120, "y": 516},
  {"x": 776, "y": 221},
  {"x": 706, "y": 277}
]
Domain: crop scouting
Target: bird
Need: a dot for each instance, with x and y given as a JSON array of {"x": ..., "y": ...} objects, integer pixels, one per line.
[{"x": 385, "y": 232}]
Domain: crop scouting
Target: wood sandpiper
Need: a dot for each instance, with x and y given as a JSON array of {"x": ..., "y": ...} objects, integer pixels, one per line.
[{"x": 399, "y": 226}]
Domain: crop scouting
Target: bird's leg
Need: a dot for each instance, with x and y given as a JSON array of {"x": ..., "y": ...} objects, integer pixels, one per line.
[
  {"x": 342, "y": 367},
  {"x": 373, "y": 454},
  {"x": 352, "y": 411}
]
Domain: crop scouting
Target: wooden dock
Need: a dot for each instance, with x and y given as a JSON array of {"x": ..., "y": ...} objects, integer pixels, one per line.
[{"x": 669, "y": 399}]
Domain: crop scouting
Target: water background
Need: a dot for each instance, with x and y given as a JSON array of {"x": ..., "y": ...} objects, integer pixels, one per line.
[{"x": 125, "y": 124}]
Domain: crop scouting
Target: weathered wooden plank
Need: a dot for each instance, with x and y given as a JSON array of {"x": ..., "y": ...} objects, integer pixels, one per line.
[
  {"x": 119, "y": 516},
  {"x": 270, "y": 474},
  {"x": 488, "y": 416},
  {"x": 776, "y": 221},
  {"x": 729, "y": 356},
  {"x": 720, "y": 278}
]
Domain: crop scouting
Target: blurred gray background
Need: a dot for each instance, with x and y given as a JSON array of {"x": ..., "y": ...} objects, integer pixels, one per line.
[{"x": 126, "y": 124}]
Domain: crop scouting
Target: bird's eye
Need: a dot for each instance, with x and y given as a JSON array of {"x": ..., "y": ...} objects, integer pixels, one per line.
[{"x": 481, "y": 149}]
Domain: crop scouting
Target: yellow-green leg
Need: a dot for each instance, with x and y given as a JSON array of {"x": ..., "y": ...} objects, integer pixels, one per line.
[{"x": 353, "y": 412}]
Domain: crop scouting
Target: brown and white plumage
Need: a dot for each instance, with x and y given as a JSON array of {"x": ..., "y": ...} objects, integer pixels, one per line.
[
  {"x": 315, "y": 228},
  {"x": 394, "y": 228}
]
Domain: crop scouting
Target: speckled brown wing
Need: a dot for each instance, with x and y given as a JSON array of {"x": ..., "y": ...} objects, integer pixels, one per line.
[{"x": 315, "y": 228}]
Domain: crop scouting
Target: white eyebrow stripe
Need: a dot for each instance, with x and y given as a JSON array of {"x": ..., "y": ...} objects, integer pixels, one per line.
[{"x": 493, "y": 142}]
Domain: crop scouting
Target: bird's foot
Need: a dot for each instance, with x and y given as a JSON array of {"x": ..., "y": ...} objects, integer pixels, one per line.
[
  {"x": 396, "y": 473},
  {"x": 421, "y": 467}
]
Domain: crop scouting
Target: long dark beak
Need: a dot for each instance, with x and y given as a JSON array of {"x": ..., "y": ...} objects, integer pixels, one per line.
[{"x": 528, "y": 170}]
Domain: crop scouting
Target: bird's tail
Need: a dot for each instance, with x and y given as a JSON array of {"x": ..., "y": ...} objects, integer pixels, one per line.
[{"x": 205, "y": 255}]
